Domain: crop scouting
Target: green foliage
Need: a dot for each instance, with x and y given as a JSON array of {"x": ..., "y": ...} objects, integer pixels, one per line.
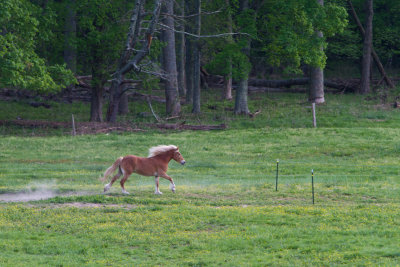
[
  {"x": 101, "y": 32},
  {"x": 233, "y": 57},
  {"x": 386, "y": 28},
  {"x": 239, "y": 65},
  {"x": 20, "y": 66},
  {"x": 284, "y": 32},
  {"x": 246, "y": 22},
  {"x": 289, "y": 31}
]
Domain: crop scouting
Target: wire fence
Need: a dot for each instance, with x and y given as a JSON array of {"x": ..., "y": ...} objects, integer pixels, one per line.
[{"x": 288, "y": 169}]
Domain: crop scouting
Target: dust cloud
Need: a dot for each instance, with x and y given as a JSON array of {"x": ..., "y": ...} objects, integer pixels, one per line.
[{"x": 34, "y": 191}]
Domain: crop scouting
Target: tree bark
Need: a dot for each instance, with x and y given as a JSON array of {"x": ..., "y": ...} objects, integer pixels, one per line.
[
  {"x": 181, "y": 54},
  {"x": 227, "y": 92},
  {"x": 96, "y": 104},
  {"x": 97, "y": 86},
  {"x": 228, "y": 87},
  {"x": 70, "y": 36},
  {"x": 367, "y": 49},
  {"x": 241, "y": 106},
  {"x": 189, "y": 70},
  {"x": 196, "y": 61},
  {"x": 316, "y": 93},
  {"x": 123, "y": 107},
  {"x": 173, "y": 106}
]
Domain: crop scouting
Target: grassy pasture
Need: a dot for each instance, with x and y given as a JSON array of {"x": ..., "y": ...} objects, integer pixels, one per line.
[{"x": 226, "y": 210}]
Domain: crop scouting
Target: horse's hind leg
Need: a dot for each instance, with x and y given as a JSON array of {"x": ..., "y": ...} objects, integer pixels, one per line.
[
  {"x": 108, "y": 186},
  {"x": 123, "y": 180},
  {"x": 157, "y": 192}
]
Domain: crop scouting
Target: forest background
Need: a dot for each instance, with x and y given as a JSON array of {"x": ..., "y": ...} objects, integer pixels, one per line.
[{"x": 114, "y": 50}]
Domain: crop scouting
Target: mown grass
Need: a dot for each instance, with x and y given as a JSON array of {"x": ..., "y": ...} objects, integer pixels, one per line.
[
  {"x": 226, "y": 210},
  {"x": 200, "y": 235}
]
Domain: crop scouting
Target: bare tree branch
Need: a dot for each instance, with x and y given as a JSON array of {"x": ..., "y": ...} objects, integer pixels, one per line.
[
  {"x": 152, "y": 111},
  {"x": 193, "y": 15},
  {"x": 206, "y": 36},
  {"x": 125, "y": 64}
]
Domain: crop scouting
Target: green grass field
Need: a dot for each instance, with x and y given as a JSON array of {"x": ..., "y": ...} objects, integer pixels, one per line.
[{"x": 226, "y": 210}]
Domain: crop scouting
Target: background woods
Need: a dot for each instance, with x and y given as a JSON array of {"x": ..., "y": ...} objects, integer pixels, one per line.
[{"x": 116, "y": 49}]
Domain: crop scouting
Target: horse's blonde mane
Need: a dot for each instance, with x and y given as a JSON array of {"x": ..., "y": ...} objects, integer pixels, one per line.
[{"x": 157, "y": 150}]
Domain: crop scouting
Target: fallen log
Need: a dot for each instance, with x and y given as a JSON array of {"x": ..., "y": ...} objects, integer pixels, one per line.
[
  {"x": 81, "y": 127},
  {"x": 278, "y": 83},
  {"x": 146, "y": 97},
  {"x": 183, "y": 126},
  {"x": 342, "y": 85}
]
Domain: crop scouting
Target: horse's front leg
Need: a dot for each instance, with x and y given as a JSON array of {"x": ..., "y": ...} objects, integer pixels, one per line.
[
  {"x": 157, "y": 192},
  {"x": 172, "y": 185}
]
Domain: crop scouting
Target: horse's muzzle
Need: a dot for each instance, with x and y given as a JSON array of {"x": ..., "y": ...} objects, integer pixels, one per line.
[{"x": 183, "y": 162}]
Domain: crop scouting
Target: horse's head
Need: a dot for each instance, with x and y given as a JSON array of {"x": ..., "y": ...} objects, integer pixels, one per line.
[{"x": 177, "y": 156}]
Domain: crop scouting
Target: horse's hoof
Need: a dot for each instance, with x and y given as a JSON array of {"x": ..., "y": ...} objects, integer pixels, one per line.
[
  {"x": 107, "y": 187},
  {"x": 125, "y": 192},
  {"x": 173, "y": 191},
  {"x": 158, "y": 193}
]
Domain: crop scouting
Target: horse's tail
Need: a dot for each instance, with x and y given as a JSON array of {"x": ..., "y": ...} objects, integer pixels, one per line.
[{"x": 111, "y": 169}]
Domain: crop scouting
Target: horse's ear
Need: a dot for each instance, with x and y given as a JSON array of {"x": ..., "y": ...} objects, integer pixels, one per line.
[{"x": 177, "y": 148}]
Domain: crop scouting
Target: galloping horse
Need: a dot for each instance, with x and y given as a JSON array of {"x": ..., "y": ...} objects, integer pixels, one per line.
[{"x": 156, "y": 164}]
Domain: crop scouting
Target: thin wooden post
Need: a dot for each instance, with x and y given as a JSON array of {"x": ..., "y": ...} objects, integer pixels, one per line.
[
  {"x": 73, "y": 126},
  {"x": 314, "y": 116},
  {"x": 312, "y": 185},
  {"x": 277, "y": 171}
]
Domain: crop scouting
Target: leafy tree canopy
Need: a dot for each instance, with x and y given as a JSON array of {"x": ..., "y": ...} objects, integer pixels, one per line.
[
  {"x": 289, "y": 30},
  {"x": 20, "y": 65}
]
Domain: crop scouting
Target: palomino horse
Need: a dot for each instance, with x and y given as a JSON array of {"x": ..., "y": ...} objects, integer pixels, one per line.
[{"x": 156, "y": 164}]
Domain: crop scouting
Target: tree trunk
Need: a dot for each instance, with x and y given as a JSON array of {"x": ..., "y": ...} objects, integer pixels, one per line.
[
  {"x": 227, "y": 93},
  {"x": 241, "y": 106},
  {"x": 70, "y": 36},
  {"x": 173, "y": 106},
  {"x": 97, "y": 85},
  {"x": 96, "y": 104},
  {"x": 228, "y": 87},
  {"x": 316, "y": 93},
  {"x": 123, "y": 107},
  {"x": 196, "y": 61},
  {"x": 181, "y": 55},
  {"x": 189, "y": 70},
  {"x": 367, "y": 49}
]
